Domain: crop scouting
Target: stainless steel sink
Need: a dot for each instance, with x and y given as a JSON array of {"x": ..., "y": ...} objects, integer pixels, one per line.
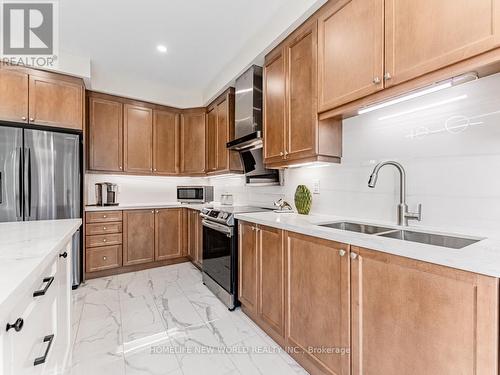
[
  {"x": 356, "y": 227},
  {"x": 451, "y": 242}
]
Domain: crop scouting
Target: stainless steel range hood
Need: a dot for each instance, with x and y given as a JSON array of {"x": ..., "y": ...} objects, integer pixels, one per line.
[{"x": 248, "y": 128}]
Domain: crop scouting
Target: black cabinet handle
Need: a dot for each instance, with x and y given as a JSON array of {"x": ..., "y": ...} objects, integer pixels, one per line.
[
  {"x": 40, "y": 360},
  {"x": 18, "y": 325},
  {"x": 63, "y": 255},
  {"x": 42, "y": 292}
]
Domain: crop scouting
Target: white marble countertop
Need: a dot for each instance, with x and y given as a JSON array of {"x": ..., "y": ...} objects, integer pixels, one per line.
[
  {"x": 146, "y": 206},
  {"x": 482, "y": 257},
  {"x": 26, "y": 249}
]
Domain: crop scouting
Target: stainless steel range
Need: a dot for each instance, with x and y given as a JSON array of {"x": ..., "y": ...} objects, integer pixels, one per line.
[{"x": 220, "y": 251}]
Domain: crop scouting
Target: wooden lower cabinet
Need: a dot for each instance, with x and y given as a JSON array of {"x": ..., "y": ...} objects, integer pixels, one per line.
[
  {"x": 413, "y": 318},
  {"x": 195, "y": 237},
  {"x": 317, "y": 303},
  {"x": 261, "y": 277},
  {"x": 131, "y": 240},
  {"x": 103, "y": 258},
  {"x": 138, "y": 237},
  {"x": 168, "y": 233},
  {"x": 247, "y": 267},
  {"x": 346, "y": 310}
]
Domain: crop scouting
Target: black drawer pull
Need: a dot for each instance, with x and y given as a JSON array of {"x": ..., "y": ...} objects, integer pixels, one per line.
[
  {"x": 18, "y": 325},
  {"x": 40, "y": 360},
  {"x": 42, "y": 292},
  {"x": 63, "y": 255}
]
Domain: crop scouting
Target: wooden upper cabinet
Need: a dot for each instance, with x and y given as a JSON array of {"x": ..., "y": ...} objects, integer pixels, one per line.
[
  {"x": 193, "y": 141},
  {"x": 137, "y": 139},
  {"x": 413, "y": 318},
  {"x": 302, "y": 105},
  {"x": 271, "y": 274},
  {"x": 138, "y": 237},
  {"x": 13, "y": 95},
  {"x": 166, "y": 134},
  {"x": 317, "y": 303},
  {"x": 351, "y": 50},
  {"x": 211, "y": 145},
  {"x": 220, "y": 130},
  {"x": 168, "y": 233},
  {"x": 105, "y": 135},
  {"x": 55, "y": 102},
  {"x": 274, "y": 106},
  {"x": 426, "y": 35},
  {"x": 247, "y": 267},
  {"x": 223, "y": 134}
]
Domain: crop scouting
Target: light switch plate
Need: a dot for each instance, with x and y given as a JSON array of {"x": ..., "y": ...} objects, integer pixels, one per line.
[{"x": 316, "y": 187}]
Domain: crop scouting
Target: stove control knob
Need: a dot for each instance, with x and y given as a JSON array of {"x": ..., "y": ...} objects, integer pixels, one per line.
[{"x": 226, "y": 215}]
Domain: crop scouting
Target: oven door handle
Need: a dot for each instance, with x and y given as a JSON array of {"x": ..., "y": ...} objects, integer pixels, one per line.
[{"x": 228, "y": 231}]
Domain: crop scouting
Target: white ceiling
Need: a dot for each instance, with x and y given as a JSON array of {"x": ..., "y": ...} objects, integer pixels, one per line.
[{"x": 209, "y": 43}]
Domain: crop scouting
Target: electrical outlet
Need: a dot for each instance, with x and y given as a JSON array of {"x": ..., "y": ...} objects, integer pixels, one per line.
[{"x": 316, "y": 187}]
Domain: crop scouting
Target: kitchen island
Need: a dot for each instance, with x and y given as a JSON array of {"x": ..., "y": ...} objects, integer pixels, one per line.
[{"x": 35, "y": 305}]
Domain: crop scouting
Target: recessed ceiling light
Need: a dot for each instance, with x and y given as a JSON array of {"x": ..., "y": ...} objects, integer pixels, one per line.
[{"x": 161, "y": 48}]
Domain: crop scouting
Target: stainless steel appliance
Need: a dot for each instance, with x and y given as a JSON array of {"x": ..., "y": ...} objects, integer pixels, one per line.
[
  {"x": 106, "y": 194},
  {"x": 248, "y": 128},
  {"x": 220, "y": 251},
  {"x": 40, "y": 178},
  {"x": 195, "y": 194}
]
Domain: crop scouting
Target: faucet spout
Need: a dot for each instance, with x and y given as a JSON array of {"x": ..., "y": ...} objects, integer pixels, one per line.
[{"x": 403, "y": 214}]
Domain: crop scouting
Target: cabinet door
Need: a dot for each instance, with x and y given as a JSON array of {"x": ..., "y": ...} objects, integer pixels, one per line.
[
  {"x": 350, "y": 51},
  {"x": 168, "y": 233},
  {"x": 54, "y": 102},
  {"x": 165, "y": 142},
  {"x": 222, "y": 135},
  {"x": 302, "y": 105},
  {"x": 137, "y": 139},
  {"x": 193, "y": 142},
  {"x": 413, "y": 318},
  {"x": 13, "y": 95},
  {"x": 212, "y": 140},
  {"x": 105, "y": 135},
  {"x": 274, "y": 107},
  {"x": 317, "y": 302},
  {"x": 426, "y": 35},
  {"x": 271, "y": 254},
  {"x": 192, "y": 234},
  {"x": 247, "y": 267},
  {"x": 138, "y": 236},
  {"x": 199, "y": 240}
]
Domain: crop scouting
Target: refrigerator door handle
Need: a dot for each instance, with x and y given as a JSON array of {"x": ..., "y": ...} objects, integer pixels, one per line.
[
  {"x": 27, "y": 185},
  {"x": 19, "y": 198}
]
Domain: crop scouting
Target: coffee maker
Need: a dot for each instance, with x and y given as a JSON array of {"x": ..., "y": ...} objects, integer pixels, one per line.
[{"x": 106, "y": 194}]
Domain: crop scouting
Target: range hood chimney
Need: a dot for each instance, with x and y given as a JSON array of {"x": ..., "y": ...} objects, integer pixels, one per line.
[{"x": 248, "y": 129}]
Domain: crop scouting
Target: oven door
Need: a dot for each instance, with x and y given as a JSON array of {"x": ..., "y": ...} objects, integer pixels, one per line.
[{"x": 219, "y": 247}]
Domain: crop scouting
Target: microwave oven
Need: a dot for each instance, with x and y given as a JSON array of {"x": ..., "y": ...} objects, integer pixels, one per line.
[{"x": 195, "y": 194}]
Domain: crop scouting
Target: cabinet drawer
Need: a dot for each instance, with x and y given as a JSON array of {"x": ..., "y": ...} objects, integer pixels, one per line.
[
  {"x": 104, "y": 240},
  {"x": 103, "y": 228},
  {"x": 30, "y": 344},
  {"x": 103, "y": 258},
  {"x": 103, "y": 216}
]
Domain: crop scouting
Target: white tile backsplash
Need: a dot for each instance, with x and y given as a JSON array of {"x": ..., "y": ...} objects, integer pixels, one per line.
[{"x": 451, "y": 153}]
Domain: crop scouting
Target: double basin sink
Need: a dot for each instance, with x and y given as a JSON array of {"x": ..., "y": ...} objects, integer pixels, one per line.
[{"x": 451, "y": 242}]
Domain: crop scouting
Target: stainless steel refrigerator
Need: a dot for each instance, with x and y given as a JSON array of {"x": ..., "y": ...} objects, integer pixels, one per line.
[{"x": 40, "y": 179}]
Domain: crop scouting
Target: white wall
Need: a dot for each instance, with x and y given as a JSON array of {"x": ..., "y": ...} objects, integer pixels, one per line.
[{"x": 454, "y": 173}]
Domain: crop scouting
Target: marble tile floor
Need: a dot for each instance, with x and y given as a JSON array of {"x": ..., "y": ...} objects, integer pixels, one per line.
[{"x": 165, "y": 321}]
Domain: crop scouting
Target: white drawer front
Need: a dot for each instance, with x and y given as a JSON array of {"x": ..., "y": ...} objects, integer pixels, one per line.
[{"x": 30, "y": 344}]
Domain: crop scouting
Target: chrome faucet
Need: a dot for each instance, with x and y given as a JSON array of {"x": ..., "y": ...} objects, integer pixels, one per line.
[{"x": 403, "y": 214}]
